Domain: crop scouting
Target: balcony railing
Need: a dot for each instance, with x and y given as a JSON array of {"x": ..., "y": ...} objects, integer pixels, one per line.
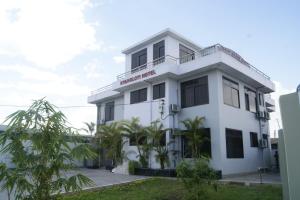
[
  {"x": 187, "y": 58},
  {"x": 102, "y": 89},
  {"x": 148, "y": 65}
]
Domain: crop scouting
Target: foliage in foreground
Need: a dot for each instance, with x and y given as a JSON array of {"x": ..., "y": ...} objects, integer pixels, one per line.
[
  {"x": 167, "y": 189},
  {"x": 194, "y": 176},
  {"x": 43, "y": 148}
]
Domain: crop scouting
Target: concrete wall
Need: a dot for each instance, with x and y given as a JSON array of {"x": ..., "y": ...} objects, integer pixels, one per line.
[{"x": 289, "y": 145}]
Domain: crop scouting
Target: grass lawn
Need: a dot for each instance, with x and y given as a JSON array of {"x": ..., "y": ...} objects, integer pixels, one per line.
[{"x": 166, "y": 189}]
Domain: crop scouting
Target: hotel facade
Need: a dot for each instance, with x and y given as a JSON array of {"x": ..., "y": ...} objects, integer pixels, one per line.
[{"x": 169, "y": 78}]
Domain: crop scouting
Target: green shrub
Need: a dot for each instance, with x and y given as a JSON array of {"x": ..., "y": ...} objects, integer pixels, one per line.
[
  {"x": 132, "y": 164},
  {"x": 195, "y": 176}
]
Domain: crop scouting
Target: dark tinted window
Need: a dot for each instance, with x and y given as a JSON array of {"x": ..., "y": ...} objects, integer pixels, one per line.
[
  {"x": 138, "y": 59},
  {"x": 205, "y": 148},
  {"x": 234, "y": 143},
  {"x": 250, "y": 100},
  {"x": 133, "y": 141},
  {"x": 253, "y": 139},
  {"x": 138, "y": 96},
  {"x": 231, "y": 93},
  {"x": 159, "y": 52},
  {"x": 159, "y": 91},
  {"x": 194, "y": 92},
  {"x": 185, "y": 54},
  {"x": 109, "y": 111}
]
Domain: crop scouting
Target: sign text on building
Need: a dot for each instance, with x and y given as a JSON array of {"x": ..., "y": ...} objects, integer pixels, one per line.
[{"x": 138, "y": 77}]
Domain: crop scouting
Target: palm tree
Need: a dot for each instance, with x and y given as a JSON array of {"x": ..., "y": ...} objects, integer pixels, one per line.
[
  {"x": 133, "y": 130},
  {"x": 90, "y": 128},
  {"x": 195, "y": 135},
  {"x": 157, "y": 135},
  {"x": 111, "y": 138}
]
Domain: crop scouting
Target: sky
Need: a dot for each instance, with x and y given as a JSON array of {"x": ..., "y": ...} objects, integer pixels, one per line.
[{"x": 64, "y": 49}]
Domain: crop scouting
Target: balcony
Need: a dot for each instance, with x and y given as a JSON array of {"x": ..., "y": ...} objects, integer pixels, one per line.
[
  {"x": 216, "y": 56},
  {"x": 270, "y": 103}
]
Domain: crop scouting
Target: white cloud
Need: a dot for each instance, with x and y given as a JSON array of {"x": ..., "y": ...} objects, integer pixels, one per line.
[
  {"x": 92, "y": 70},
  {"x": 276, "y": 116},
  {"x": 47, "y": 33},
  {"x": 119, "y": 59}
]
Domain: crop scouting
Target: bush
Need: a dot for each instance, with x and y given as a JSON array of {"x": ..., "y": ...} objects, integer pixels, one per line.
[
  {"x": 132, "y": 164},
  {"x": 195, "y": 176}
]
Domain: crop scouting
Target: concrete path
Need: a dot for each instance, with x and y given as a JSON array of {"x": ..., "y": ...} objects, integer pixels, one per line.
[
  {"x": 101, "y": 178},
  {"x": 267, "y": 178}
]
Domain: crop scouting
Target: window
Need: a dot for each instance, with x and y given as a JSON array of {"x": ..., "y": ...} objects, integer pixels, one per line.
[
  {"x": 231, "y": 93},
  {"x": 133, "y": 141},
  {"x": 138, "y": 96},
  {"x": 139, "y": 59},
  {"x": 261, "y": 99},
  {"x": 265, "y": 137},
  {"x": 109, "y": 111},
  {"x": 185, "y": 54},
  {"x": 205, "y": 148},
  {"x": 250, "y": 100},
  {"x": 194, "y": 92},
  {"x": 253, "y": 139},
  {"x": 159, "y": 52},
  {"x": 159, "y": 91},
  {"x": 234, "y": 143}
]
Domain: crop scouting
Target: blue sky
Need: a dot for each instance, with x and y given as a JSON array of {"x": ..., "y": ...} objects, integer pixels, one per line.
[{"x": 63, "y": 49}]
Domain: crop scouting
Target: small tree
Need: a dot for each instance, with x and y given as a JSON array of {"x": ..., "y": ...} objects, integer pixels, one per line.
[
  {"x": 158, "y": 137},
  {"x": 195, "y": 135},
  {"x": 195, "y": 177},
  {"x": 111, "y": 138},
  {"x": 133, "y": 130},
  {"x": 41, "y": 145}
]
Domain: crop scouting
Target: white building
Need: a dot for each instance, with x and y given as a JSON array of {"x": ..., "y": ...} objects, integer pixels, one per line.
[{"x": 212, "y": 82}]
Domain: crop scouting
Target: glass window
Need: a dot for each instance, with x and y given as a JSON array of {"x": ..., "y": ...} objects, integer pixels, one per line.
[
  {"x": 109, "y": 111},
  {"x": 133, "y": 141},
  {"x": 185, "y": 54},
  {"x": 231, "y": 93},
  {"x": 139, "y": 59},
  {"x": 138, "y": 96},
  {"x": 234, "y": 143},
  {"x": 253, "y": 139},
  {"x": 250, "y": 100},
  {"x": 194, "y": 92},
  {"x": 159, "y": 91},
  {"x": 159, "y": 52}
]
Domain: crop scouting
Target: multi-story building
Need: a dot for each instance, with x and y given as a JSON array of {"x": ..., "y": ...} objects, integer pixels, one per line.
[{"x": 170, "y": 78}]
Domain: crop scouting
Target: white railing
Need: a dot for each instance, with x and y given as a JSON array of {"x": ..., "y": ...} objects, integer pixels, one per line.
[{"x": 102, "y": 89}]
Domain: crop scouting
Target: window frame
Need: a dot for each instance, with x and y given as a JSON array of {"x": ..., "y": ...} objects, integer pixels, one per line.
[
  {"x": 231, "y": 150},
  {"x": 253, "y": 139},
  {"x": 190, "y": 89},
  {"x": 136, "y": 59},
  {"x": 161, "y": 91},
  {"x": 251, "y": 96},
  {"x": 109, "y": 111},
  {"x": 160, "y": 48},
  {"x": 140, "y": 98},
  {"x": 233, "y": 86}
]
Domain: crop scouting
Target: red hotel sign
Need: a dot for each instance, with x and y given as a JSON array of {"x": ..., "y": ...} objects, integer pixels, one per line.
[{"x": 138, "y": 77}]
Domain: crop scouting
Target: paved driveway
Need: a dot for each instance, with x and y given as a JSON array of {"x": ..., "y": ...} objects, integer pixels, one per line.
[
  {"x": 266, "y": 178},
  {"x": 100, "y": 177}
]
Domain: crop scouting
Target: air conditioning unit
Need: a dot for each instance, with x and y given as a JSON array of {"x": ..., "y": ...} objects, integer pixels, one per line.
[
  {"x": 263, "y": 143},
  {"x": 267, "y": 115},
  {"x": 174, "y": 108}
]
